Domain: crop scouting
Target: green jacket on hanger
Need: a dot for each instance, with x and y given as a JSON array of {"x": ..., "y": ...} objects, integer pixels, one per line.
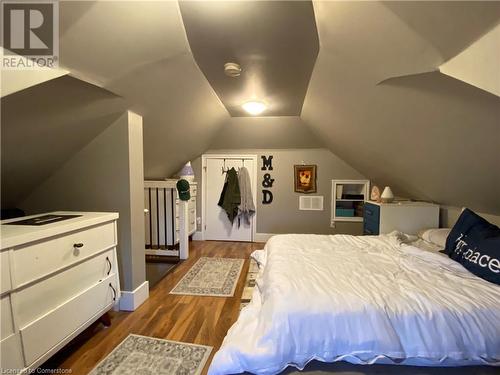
[{"x": 230, "y": 197}]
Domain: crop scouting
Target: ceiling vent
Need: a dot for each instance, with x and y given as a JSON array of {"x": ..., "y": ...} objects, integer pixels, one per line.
[{"x": 232, "y": 69}]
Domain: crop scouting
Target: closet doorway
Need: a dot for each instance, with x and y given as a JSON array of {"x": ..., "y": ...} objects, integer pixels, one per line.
[{"x": 216, "y": 225}]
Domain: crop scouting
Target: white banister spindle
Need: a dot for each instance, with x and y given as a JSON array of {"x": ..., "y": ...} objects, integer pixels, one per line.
[
  {"x": 183, "y": 230},
  {"x": 168, "y": 221}
]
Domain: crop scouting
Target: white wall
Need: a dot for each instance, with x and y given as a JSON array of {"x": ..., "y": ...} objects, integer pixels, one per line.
[
  {"x": 479, "y": 64},
  {"x": 449, "y": 215},
  {"x": 106, "y": 175}
]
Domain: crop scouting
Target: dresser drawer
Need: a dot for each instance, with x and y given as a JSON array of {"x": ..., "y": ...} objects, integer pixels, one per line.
[
  {"x": 11, "y": 354},
  {"x": 192, "y": 220},
  {"x": 50, "y": 329},
  {"x": 40, "y": 259},
  {"x": 371, "y": 228},
  {"x": 7, "y": 323},
  {"x": 47, "y": 294},
  {"x": 5, "y": 284},
  {"x": 192, "y": 204},
  {"x": 371, "y": 212}
]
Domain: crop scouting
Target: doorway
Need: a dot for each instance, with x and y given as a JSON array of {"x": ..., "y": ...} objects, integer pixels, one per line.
[{"x": 216, "y": 225}]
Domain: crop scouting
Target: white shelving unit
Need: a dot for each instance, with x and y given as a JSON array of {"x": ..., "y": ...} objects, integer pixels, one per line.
[{"x": 348, "y": 197}]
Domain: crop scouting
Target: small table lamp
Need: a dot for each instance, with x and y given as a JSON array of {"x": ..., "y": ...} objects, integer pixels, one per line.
[{"x": 387, "y": 195}]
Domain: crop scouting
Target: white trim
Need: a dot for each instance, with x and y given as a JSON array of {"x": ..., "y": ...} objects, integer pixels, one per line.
[
  {"x": 198, "y": 235},
  {"x": 263, "y": 237},
  {"x": 204, "y": 158},
  {"x": 333, "y": 201},
  {"x": 130, "y": 301},
  {"x": 161, "y": 252}
]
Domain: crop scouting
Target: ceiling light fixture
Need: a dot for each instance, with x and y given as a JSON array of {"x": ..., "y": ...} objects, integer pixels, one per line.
[{"x": 254, "y": 108}]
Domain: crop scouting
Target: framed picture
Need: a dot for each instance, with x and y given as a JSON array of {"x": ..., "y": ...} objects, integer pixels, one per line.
[{"x": 305, "y": 178}]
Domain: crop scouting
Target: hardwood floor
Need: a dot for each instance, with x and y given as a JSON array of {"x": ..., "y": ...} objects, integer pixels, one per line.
[{"x": 192, "y": 319}]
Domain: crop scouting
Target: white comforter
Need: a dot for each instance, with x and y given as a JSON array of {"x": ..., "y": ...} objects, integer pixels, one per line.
[{"x": 364, "y": 300}]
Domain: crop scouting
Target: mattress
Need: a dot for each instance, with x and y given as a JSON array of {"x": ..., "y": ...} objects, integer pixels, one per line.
[{"x": 365, "y": 300}]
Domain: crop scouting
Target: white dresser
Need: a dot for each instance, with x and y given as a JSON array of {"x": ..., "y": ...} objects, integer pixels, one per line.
[
  {"x": 56, "y": 279},
  {"x": 408, "y": 217}
]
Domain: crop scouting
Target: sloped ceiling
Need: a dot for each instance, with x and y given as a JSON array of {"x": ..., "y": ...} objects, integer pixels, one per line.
[
  {"x": 427, "y": 135},
  {"x": 43, "y": 126},
  {"x": 12, "y": 81},
  {"x": 139, "y": 50},
  {"x": 484, "y": 53}
]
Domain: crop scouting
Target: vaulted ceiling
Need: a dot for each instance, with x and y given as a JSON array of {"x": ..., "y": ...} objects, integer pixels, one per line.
[{"x": 376, "y": 96}]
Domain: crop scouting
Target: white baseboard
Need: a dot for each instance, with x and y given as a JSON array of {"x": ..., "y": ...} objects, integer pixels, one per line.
[
  {"x": 198, "y": 236},
  {"x": 263, "y": 237},
  {"x": 259, "y": 237},
  {"x": 130, "y": 301}
]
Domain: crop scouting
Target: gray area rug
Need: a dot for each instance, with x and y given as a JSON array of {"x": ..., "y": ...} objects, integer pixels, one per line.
[
  {"x": 151, "y": 356},
  {"x": 211, "y": 277}
]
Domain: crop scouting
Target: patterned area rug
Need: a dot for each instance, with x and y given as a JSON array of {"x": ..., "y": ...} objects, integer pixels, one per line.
[
  {"x": 253, "y": 271},
  {"x": 211, "y": 277},
  {"x": 150, "y": 356}
]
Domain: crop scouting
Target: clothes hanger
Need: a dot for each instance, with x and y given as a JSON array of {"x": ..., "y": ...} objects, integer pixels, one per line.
[{"x": 224, "y": 167}]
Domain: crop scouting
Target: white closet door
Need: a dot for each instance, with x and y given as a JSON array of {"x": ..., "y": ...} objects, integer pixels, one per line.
[{"x": 217, "y": 225}]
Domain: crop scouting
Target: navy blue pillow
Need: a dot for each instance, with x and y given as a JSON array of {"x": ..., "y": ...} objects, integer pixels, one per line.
[{"x": 475, "y": 243}]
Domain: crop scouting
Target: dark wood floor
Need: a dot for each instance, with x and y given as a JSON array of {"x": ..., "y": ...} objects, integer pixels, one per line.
[{"x": 198, "y": 320}]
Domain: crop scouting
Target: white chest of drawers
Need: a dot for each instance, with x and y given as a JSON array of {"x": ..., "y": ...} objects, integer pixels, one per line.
[{"x": 56, "y": 280}]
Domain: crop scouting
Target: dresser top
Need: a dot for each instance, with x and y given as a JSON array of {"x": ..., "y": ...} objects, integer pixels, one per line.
[
  {"x": 15, "y": 235},
  {"x": 404, "y": 203}
]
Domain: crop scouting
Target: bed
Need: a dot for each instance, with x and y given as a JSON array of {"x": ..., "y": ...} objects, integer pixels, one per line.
[{"x": 364, "y": 300}]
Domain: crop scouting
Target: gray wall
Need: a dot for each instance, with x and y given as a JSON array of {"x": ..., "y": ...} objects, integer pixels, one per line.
[
  {"x": 265, "y": 133},
  {"x": 283, "y": 215},
  {"x": 105, "y": 175},
  {"x": 449, "y": 215}
]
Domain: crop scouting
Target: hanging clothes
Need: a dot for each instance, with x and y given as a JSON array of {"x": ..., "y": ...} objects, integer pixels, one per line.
[
  {"x": 247, "y": 207},
  {"x": 230, "y": 197}
]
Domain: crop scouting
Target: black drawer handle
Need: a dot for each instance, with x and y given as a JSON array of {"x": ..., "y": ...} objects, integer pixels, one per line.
[
  {"x": 110, "y": 266},
  {"x": 114, "y": 291},
  {"x": 78, "y": 245},
  {"x": 368, "y": 212}
]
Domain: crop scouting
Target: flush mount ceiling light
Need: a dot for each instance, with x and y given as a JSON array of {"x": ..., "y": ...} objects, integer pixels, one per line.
[{"x": 254, "y": 108}]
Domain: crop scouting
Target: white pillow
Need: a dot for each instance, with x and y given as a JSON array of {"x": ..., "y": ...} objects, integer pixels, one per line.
[{"x": 436, "y": 236}]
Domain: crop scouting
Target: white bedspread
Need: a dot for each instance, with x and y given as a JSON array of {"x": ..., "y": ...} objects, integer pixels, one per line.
[{"x": 364, "y": 300}]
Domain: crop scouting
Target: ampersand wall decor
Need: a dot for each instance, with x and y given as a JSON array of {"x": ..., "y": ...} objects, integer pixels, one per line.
[{"x": 267, "y": 182}]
